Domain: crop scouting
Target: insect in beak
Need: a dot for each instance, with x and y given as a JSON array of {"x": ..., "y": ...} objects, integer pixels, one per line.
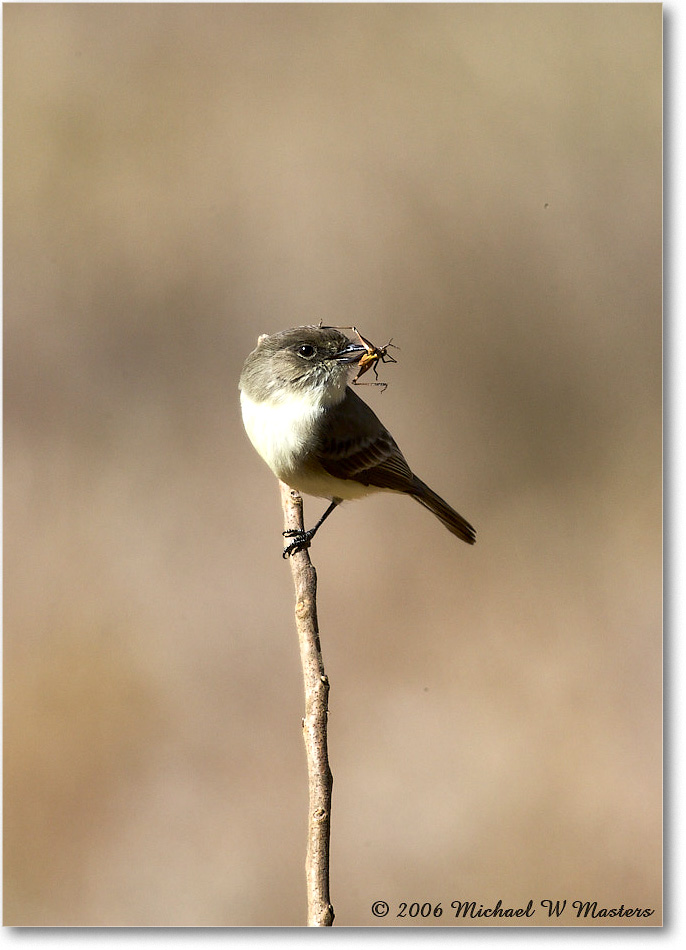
[{"x": 371, "y": 355}]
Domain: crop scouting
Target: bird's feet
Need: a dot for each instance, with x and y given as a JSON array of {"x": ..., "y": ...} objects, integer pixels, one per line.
[{"x": 301, "y": 540}]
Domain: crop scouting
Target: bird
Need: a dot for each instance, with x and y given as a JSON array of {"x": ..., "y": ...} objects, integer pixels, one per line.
[{"x": 317, "y": 435}]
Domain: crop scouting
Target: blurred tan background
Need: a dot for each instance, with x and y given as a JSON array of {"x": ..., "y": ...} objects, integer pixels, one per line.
[{"x": 481, "y": 183}]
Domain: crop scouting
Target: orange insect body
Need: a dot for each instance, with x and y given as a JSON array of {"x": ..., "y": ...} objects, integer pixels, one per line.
[{"x": 369, "y": 359}]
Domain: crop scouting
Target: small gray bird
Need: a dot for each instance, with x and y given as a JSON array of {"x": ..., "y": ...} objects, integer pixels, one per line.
[{"x": 317, "y": 435}]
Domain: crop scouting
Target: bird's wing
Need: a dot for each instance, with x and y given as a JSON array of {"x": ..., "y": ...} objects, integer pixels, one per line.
[{"x": 354, "y": 444}]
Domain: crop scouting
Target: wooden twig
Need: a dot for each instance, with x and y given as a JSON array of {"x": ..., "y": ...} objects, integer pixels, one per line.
[{"x": 319, "y": 910}]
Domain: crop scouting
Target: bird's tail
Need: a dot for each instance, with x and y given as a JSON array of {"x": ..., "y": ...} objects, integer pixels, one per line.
[{"x": 453, "y": 521}]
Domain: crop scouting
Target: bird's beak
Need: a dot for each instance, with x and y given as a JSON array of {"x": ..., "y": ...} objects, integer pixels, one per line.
[{"x": 351, "y": 353}]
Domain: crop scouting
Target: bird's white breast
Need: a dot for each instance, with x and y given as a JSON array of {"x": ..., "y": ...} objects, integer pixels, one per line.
[{"x": 281, "y": 431}]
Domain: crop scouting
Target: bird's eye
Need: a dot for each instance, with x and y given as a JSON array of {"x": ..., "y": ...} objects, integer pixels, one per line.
[{"x": 306, "y": 350}]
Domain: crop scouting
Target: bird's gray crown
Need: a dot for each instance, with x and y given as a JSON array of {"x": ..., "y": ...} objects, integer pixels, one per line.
[{"x": 297, "y": 361}]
